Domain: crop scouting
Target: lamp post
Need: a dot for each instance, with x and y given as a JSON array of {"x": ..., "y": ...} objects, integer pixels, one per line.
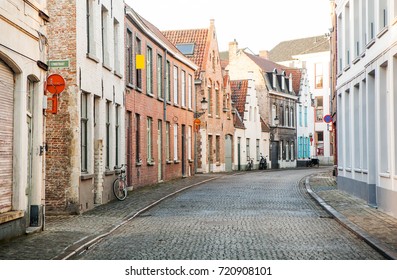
[{"x": 197, "y": 122}]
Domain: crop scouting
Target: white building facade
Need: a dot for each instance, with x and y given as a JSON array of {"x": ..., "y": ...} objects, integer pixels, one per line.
[
  {"x": 367, "y": 100},
  {"x": 249, "y": 143},
  {"x": 23, "y": 59}
]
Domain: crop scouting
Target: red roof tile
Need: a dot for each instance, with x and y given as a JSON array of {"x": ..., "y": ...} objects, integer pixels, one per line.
[{"x": 239, "y": 95}]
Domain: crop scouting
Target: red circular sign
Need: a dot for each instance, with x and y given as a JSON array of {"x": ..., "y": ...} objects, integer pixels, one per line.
[{"x": 55, "y": 84}]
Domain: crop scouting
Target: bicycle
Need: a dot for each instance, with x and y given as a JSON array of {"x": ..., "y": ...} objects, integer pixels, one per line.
[
  {"x": 120, "y": 184},
  {"x": 250, "y": 164}
]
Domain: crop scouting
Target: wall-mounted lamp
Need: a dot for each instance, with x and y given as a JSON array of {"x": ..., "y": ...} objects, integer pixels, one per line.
[{"x": 204, "y": 107}]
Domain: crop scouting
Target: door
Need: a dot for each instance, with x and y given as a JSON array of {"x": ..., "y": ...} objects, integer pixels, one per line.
[
  {"x": 239, "y": 153},
  {"x": 6, "y": 136},
  {"x": 228, "y": 153},
  {"x": 183, "y": 150},
  {"x": 129, "y": 148},
  {"x": 274, "y": 154},
  {"x": 160, "y": 150}
]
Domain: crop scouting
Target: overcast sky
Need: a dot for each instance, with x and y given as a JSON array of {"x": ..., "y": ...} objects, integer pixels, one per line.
[{"x": 256, "y": 24}]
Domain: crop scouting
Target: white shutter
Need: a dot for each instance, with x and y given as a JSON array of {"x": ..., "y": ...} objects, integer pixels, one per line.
[{"x": 6, "y": 135}]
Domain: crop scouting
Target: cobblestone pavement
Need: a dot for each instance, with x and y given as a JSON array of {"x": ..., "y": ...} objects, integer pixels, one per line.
[
  {"x": 251, "y": 216},
  {"x": 66, "y": 236},
  {"x": 374, "y": 226}
]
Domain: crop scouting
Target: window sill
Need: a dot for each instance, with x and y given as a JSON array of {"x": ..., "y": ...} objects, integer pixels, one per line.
[
  {"x": 150, "y": 94},
  {"x": 118, "y": 74},
  {"x": 130, "y": 86},
  {"x": 356, "y": 60},
  {"x": 358, "y": 170},
  {"x": 92, "y": 57},
  {"x": 346, "y": 68},
  {"x": 138, "y": 164},
  {"x": 383, "y": 31},
  {"x": 384, "y": 175},
  {"x": 150, "y": 163},
  {"x": 190, "y": 160},
  {"x": 177, "y": 161},
  {"x": 168, "y": 162},
  {"x": 109, "y": 173},
  {"x": 107, "y": 67},
  {"x": 370, "y": 43},
  {"x": 84, "y": 177}
]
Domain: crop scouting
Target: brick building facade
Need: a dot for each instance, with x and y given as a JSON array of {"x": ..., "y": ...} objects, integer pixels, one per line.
[
  {"x": 215, "y": 137},
  {"x": 160, "y": 98},
  {"x": 84, "y": 137}
]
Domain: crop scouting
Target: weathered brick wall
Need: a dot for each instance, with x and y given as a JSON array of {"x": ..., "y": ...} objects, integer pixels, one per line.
[{"x": 60, "y": 196}]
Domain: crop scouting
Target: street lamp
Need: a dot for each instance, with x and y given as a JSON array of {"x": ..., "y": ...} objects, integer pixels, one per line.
[
  {"x": 276, "y": 121},
  {"x": 204, "y": 107}
]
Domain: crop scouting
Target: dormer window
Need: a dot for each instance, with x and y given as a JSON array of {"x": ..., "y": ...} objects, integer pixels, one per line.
[
  {"x": 186, "y": 48},
  {"x": 290, "y": 82},
  {"x": 283, "y": 81},
  {"x": 274, "y": 78}
]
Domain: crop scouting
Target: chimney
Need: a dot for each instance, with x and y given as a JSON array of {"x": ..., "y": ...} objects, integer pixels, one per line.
[
  {"x": 233, "y": 48},
  {"x": 264, "y": 54}
]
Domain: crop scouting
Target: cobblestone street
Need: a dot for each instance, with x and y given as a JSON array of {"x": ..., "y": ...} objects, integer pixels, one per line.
[{"x": 258, "y": 215}]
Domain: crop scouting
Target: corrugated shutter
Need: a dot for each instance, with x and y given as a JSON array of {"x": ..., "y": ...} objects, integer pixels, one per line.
[{"x": 6, "y": 135}]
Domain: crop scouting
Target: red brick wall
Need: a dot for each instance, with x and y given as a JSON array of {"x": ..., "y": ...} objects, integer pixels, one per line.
[
  {"x": 61, "y": 33},
  {"x": 138, "y": 102}
]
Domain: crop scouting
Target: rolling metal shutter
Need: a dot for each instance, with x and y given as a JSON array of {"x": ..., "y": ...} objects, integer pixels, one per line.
[{"x": 6, "y": 135}]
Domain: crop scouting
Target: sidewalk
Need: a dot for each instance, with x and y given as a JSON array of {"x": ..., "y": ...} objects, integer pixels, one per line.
[
  {"x": 377, "y": 228},
  {"x": 65, "y": 236}
]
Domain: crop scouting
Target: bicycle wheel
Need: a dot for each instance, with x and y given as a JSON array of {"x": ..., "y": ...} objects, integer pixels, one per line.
[{"x": 119, "y": 189}]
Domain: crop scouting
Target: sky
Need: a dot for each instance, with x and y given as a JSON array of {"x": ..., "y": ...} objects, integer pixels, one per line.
[{"x": 254, "y": 24}]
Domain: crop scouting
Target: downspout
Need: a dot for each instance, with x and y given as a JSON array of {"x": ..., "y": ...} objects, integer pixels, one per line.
[{"x": 164, "y": 108}]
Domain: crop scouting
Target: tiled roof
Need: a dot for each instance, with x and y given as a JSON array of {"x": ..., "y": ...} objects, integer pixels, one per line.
[
  {"x": 239, "y": 95},
  {"x": 285, "y": 50},
  {"x": 197, "y": 36},
  {"x": 238, "y": 121},
  {"x": 268, "y": 66}
]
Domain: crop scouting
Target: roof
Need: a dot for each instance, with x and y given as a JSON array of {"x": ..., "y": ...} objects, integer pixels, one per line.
[
  {"x": 238, "y": 121},
  {"x": 153, "y": 32},
  {"x": 239, "y": 90},
  {"x": 264, "y": 126},
  {"x": 268, "y": 66},
  {"x": 196, "y": 36},
  {"x": 285, "y": 51}
]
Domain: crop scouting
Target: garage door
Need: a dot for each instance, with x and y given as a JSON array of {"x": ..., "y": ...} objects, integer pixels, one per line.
[{"x": 6, "y": 135}]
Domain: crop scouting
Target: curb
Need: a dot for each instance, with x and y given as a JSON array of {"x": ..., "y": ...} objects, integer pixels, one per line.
[
  {"x": 88, "y": 241},
  {"x": 373, "y": 242}
]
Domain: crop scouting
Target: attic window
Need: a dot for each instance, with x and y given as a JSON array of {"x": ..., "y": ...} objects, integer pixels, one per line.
[{"x": 186, "y": 49}]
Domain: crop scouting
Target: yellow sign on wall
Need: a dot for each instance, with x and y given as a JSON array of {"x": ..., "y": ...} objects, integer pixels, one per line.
[{"x": 140, "y": 61}]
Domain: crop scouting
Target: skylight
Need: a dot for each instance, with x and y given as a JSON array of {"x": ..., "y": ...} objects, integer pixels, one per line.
[{"x": 186, "y": 49}]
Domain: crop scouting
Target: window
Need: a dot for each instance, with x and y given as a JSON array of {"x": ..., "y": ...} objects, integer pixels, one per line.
[
  {"x": 175, "y": 142},
  {"x": 319, "y": 75},
  {"x": 84, "y": 132},
  {"x": 287, "y": 147},
  {"x": 189, "y": 143},
  {"x": 282, "y": 116},
  {"x": 149, "y": 142},
  {"x": 217, "y": 103},
  {"x": 274, "y": 114},
  {"x": 129, "y": 56},
  {"x": 319, "y": 108},
  {"x": 292, "y": 117},
  {"x": 305, "y": 116},
  {"x": 105, "y": 40},
  {"x": 107, "y": 165},
  {"x": 90, "y": 27},
  {"x": 190, "y": 92},
  {"x": 168, "y": 82},
  {"x": 167, "y": 142},
  {"x": 300, "y": 115},
  {"x": 248, "y": 149},
  {"x": 138, "y": 50},
  {"x": 209, "y": 101},
  {"x": 287, "y": 116},
  {"x": 218, "y": 148},
  {"x": 138, "y": 139},
  {"x": 292, "y": 154},
  {"x": 176, "y": 85},
  {"x": 116, "y": 63},
  {"x": 258, "y": 153},
  {"x": 183, "y": 88},
  {"x": 160, "y": 76},
  {"x": 117, "y": 133},
  {"x": 149, "y": 71},
  {"x": 186, "y": 49}
]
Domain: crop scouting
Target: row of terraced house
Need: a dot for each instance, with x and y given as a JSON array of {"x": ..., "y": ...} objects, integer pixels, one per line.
[{"x": 166, "y": 103}]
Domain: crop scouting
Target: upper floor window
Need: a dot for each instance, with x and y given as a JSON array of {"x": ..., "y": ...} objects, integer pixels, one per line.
[
  {"x": 129, "y": 56},
  {"x": 319, "y": 75},
  {"x": 319, "y": 108},
  {"x": 149, "y": 70},
  {"x": 160, "y": 76},
  {"x": 183, "y": 88},
  {"x": 168, "y": 82},
  {"x": 176, "y": 85}
]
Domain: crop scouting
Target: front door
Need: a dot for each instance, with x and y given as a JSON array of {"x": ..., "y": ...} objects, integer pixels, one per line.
[
  {"x": 274, "y": 154},
  {"x": 160, "y": 150}
]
